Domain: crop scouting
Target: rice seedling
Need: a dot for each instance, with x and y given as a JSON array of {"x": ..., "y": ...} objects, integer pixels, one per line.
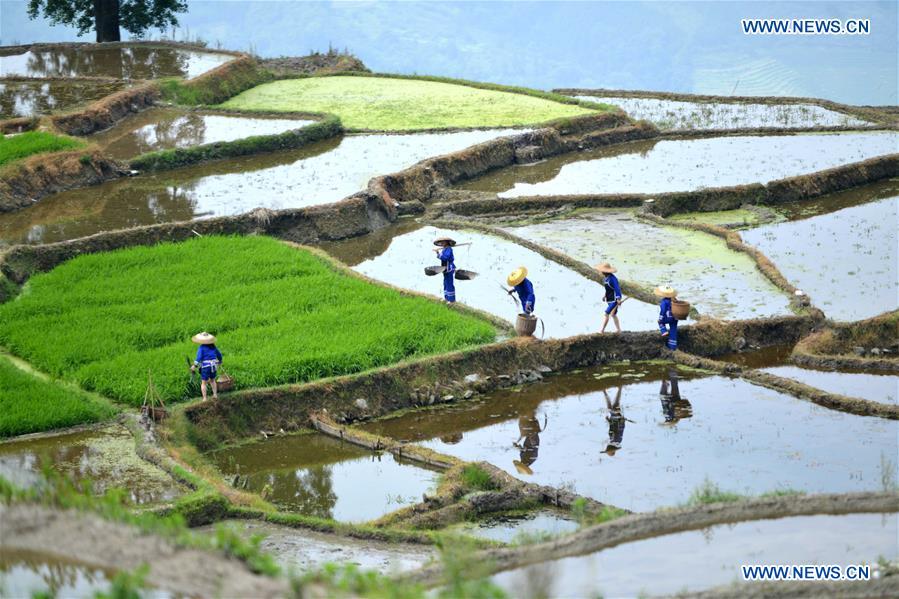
[
  {"x": 385, "y": 103},
  {"x": 22, "y": 145},
  {"x": 281, "y": 315},
  {"x": 29, "y": 404}
]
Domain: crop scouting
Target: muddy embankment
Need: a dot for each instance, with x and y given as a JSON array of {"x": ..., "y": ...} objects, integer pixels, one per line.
[
  {"x": 643, "y": 526},
  {"x": 790, "y": 189},
  {"x": 460, "y": 375},
  {"x": 871, "y": 344},
  {"x": 84, "y": 538},
  {"x": 876, "y": 114}
]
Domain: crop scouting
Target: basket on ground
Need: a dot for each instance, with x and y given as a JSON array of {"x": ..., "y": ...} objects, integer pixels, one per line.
[{"x": 525, "y": 325}]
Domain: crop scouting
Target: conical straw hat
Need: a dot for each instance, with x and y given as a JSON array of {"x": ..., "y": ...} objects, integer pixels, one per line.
[
  {"x": 517, "y": 276},
  {"x": 449, "y": 240},
  {"x": 606, "y": 268},
  {"x": 665, "y": 291},
  {"x": 203, "y": 338}
]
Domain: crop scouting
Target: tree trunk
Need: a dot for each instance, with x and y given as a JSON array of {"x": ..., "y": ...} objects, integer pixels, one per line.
[{"x": 106, "y": 19}]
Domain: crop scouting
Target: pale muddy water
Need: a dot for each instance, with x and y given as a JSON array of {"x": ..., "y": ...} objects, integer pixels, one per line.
[
  {"x": 719, "y": 282},
  {"x": 568, "y": 303},
  {"x": 33, "y": 98},
  {"x": 701, "y": 559},
  {"x": 106, "y": 457},
  {"x": 320, "y": 173},
  {"x": 677, "y": 114},
  {"x": 167, "y": 128},
  {"x": 846, "y": 260},
  {"x": 130, "y": 62},
  {"x": 527, "y": 528},
  {"x": 318, "y": 476},
  {"x": 876, "y": 387},
  {"x": 25, "y": 574},
  {"x": 301, "y": 549},
  {"x": 745, "y": 438},
  {"x": 686, "y": 164}
]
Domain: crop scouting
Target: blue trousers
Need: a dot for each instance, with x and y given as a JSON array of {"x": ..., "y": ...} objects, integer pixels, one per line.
[
  {"x": 671, "y": 330},
  {"x": 449, "y": 286}
]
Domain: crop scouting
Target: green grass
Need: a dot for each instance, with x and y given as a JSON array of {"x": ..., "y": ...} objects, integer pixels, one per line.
[
  {"x": 29, "y": 404},
  {"x": 16, "y": 147},
  {"x": 282, "y": 315},
  {"x": 386, "y": 103},
  {"x": 474, "y": 477}
]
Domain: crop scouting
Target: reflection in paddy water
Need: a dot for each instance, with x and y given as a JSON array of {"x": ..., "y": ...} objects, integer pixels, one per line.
[{"x": 32, "y": 98}]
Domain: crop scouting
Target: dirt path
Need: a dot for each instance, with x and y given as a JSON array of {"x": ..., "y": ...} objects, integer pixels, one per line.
[{"x": 90, "y": 540}]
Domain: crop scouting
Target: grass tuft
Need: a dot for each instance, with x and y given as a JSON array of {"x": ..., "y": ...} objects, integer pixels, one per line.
[
  {"x": 282, "y": 315},
  {"x": 474, "y": 477},
  {"x": 709, "y": 492},
  {"x": 23, "y": 145}
]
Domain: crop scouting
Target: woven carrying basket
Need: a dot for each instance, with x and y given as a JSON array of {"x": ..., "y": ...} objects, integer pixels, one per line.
[
  {"x": 224, "y": 382},
  {"x": 680, "y": 309}
]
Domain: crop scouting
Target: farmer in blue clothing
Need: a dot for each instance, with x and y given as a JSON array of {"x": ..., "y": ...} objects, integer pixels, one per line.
[
  {"x": 208, "y": 359},
  {"x": 612, "y": 296},
  {"x": 524, "y": 288},
  {"x": 445, "y": 255},
  {"x": 667, "y": 321}
]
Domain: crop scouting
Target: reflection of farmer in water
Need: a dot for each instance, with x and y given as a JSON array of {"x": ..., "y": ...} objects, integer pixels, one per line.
[
  {"x": 616, "y": 422},
  {"x": 674, "y": 407},
  {"x": 528, "y": 442}
]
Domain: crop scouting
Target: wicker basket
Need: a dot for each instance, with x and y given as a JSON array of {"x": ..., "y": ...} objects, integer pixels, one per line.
[
  {"x": 224, "y": 382},
  {"x": 680, "y": 309},
  {"x": 525, "y": 325}
]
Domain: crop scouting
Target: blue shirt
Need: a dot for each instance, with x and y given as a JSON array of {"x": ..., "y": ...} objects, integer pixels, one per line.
[
  {"x": 525, "y": 291},
  {"x": 613, "y": 289},
  {"x": 447, "y": 259},
  {"x": 208, "y": 355},
  {"x": 665, "y": 309}
]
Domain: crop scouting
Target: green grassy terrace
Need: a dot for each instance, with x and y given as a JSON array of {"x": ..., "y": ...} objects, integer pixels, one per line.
[
  {"x": 23, "y": 145},
  {"x": 387, "y": 103},
  {"x": 282, "y": 315},
  {"x": 30, "y": 403}
]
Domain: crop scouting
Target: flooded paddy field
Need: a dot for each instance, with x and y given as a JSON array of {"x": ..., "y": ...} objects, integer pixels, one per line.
[
  {"x": 34, "y": 98},
  {"x": 685, "y": 164},
  {"x": 846, "y": 261},
  {"x": 568, "y": 303},
  {"x": 701, "y": 559},
  {"x": 318, "y": 476},
  {"x": 876, "y": 387},
  {"x": 681, "y": 429},
  {"x": 105, "y": 456},
  {"x": 166, "y": 128},
  {"x": 304, "y": 549},
  {"x": 118, "y": 62},
  {"x": 719, "y": 282},
  {"x": 319, "y": 173},
  {"x": 678, "y": 114},
  {"x": 534, "y": 526},
  {"x": 26, "y": 574}
]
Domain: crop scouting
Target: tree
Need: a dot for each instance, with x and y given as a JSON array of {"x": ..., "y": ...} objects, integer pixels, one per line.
[{"x": 108, "y": 16}]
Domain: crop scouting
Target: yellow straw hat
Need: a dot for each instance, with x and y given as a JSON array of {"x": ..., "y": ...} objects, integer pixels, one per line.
[
  {"x": 605, "y": 268},
  {"x": 203, "y": 338},
  {"x": 517, "y": 276},
  {"x": 449, "y": 240},
  {"x": 522, "y": 467},
  {"x": 665, "y": 291}
]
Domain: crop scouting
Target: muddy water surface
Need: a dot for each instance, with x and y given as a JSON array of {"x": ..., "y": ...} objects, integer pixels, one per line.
[
  {"x": 876, "y": 387},
  {"x": 712, "y": 557},
  {"x": 720, "y": 282},
  {"x": 133, "y": 62},
  {"x": 25, "y": 574},
  {"x": 568, "y": 303},
  {"x": 318, "y": 476},
  {"x": 676, "y": 114},
  {"x": 745, "y": 438},
  {"x": 106, "y": 457},
  {"x": 32, "y": 98},
  {"x": 320, "y": 173},
  {"x": 304, "y": 549},
  {"x": 686, "y": 164},
  {"x": 528, "y": 528},
  {"x": 846, "y": 261},
  {"x": 165, "y": 128}
]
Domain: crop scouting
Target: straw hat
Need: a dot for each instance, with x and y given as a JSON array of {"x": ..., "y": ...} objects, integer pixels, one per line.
[
  {"x": 203, "y": 338},
  {"x": 522, "y": 467},
  {"x": 610, "y": 449},
  {"x": 665, "y": 291},
  {"x": 605, "y": 268},
  {"x": 517, "y": 276},
  {"x": 448, "y": 240}
]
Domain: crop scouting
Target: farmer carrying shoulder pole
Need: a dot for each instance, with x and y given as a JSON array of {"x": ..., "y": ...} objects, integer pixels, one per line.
[
  {"x": 208, "y": 359},
  {"x": 667, "y": 321},
  {"x": 444, "y": 251},
  {"x": 524, "y": 288},
  {"x": 612, "y": 297}
]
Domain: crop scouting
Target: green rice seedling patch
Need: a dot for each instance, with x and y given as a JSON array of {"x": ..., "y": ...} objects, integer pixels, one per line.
[
  {"x": 22, "y": 145},
  {"x": 30, "y": 404},
  {"x": 281, "y": 315},
  {"x": 385, "y": 103}
]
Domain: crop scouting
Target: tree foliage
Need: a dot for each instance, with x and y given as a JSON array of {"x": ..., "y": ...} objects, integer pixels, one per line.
[{"x": 107, "y": 16}]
